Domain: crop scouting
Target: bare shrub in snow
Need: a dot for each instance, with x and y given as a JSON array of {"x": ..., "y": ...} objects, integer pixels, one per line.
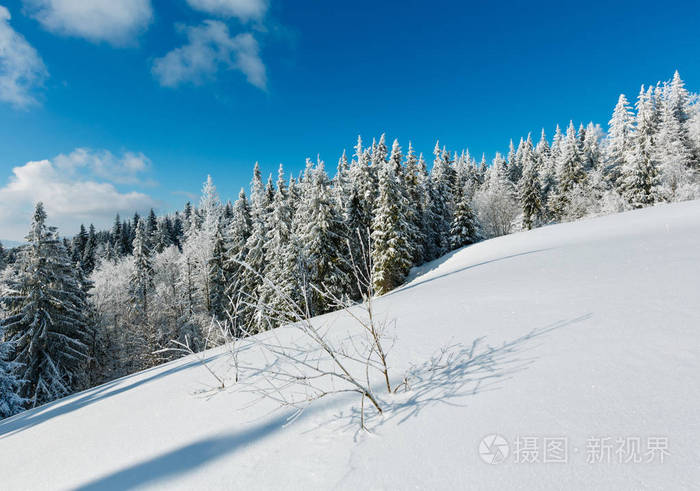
[{"x": 308, "y": 360}]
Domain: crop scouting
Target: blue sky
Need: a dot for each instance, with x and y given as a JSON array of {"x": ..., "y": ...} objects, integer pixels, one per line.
[{"x": 123, "y": 104}]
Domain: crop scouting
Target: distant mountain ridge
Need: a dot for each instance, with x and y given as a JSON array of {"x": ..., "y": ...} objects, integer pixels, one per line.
[{"x": 9, "y": 244}]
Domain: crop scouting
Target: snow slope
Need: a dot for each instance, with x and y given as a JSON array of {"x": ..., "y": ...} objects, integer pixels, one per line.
[{"x": 602, "y": 323}]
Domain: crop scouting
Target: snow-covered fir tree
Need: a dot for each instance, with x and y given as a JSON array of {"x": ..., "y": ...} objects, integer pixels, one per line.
[
  {"x": 46, "y": 317},
  {"x": 529, "y": 190},
  {"x": 620, "y": 130},
  {"x": 142, "y": 276},
  {"x": 281, "y": 268},
  {"x": 217, "y": 277},
  {"x": 319, "y": 231},
  {"x": 392, "y": 253},
  {"x": 640, "y": 178},
  {"x": 442, "y": 177},
  {"x": 570, "y": 175},
  {"x": 465, "y": 229}
]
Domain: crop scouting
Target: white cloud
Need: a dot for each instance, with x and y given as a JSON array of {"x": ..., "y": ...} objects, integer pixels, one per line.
[
  {"x": 21, "y": 67},
  {"x": 242, "y": 9},
  {"x": 209, "y": 48},
  {"x": 117, "y": 22},
  {"x": 70, "y": 188},
  {"x": 127, "y": 169}
]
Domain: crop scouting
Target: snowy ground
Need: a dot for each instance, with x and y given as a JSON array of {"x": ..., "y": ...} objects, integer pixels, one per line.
[{"x": 602, "y": 321}]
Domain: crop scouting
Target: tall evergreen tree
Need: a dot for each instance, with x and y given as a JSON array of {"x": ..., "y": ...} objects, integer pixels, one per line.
[
  {"x": 673, "y": 148},
  {"x": 79, "y": 243},
  {"x": 364, "y": 192},
  {"x": 640, "y": 179},
  {"x": 392, "y": 252},
  {"x": 442, "y": 177},
  {"x": 217, "y": 277},
  {"x": 529, "y": 190},
  {"x": 237, "y": 236},
  {"x": 570, "y": 171},
  {"x": 621, "y": 127},
  {"x": 255, "y": 245},
  {"x": 89, "y": 256},
  {"x": 319, "y": 230},
  {"x": 414, "y": 183},
  {"x": 142, "y": 277},
  {"x": 465, "y": 226},
  {"x": 46, "y": 319},
  {"x": 281, "y": 268}
]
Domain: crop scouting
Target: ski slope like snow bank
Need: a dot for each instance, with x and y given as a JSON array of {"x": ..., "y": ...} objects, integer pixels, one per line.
[{"x": 592, "y": 381}]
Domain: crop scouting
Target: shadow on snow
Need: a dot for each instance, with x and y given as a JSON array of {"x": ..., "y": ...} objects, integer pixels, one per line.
[{"x": 32, "y": 417}]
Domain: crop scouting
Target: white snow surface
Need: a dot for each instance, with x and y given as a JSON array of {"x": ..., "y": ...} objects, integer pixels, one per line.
[{"x": 602, "y": 317}]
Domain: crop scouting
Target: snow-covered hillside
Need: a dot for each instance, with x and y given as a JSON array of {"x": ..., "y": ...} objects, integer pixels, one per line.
[{"x": 601, "y": 320}]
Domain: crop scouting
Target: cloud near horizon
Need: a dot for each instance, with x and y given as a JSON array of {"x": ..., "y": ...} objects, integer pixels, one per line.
[
  {"x": 117, "y": 22},
  {"x": 210, "y": 47},
  {"x": 76, "y": 188}
]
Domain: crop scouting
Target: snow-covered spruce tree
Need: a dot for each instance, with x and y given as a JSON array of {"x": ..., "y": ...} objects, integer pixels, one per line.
[
  {"x": 151, "y": 230},
  {"x": 428, "y": 224},
  {"x": 142, "y": 275},
  {"x": 46, "y": 318},
  {"x": 281, "y": 268},
  {"x": 363, "y": 194},
  {"x": 255, "y": 260},
  {"x": 674, "y": 150},
  {"x": 198, "y": 247},
  {"x": 3, "y": 261},
  {"x": 571, "y": 176},
  {"x": 78, "y": 244},
  {"x": 591, "y": 152},
  {"x": 147, "y": 338},
  {"x": 529, "y": 190},
  {"x": 342, "y": 185},
  {"x": 89, "y": 255},
  {"x": 319, "y": 232},
  {"x": 413, "y": 181},
  {"x": 379, "y": 155},
  {"x": 255, "y": 247},
  {"x": 217, "y": 277},
  {"x": 621, "y": 127},
  {"x": 465, "y": 229},
  {"x": 513, "y": 169},
  {"x": 546, "y": 169},
  {"x": 162, "y": 237},
  {"x": 679, "y": 100},
  {"x": 237, "y": 236},
  {"x": 117, "y": 237},
  {"x": 391, "y": 236},
  {"x": 442, "y": 177},
  {"x": 11, "y": 402},
  {"x": 640, "y": 181}
]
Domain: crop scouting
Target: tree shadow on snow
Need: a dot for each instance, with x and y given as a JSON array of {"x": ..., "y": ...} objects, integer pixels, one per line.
[
  {"x": 454, "y": 374},
  {"x": 184, "y": 459},
  {"x": 32, "y": 417}
]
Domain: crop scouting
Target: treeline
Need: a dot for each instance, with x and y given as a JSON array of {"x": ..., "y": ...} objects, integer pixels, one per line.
[{"x": 108, "y": 303}]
